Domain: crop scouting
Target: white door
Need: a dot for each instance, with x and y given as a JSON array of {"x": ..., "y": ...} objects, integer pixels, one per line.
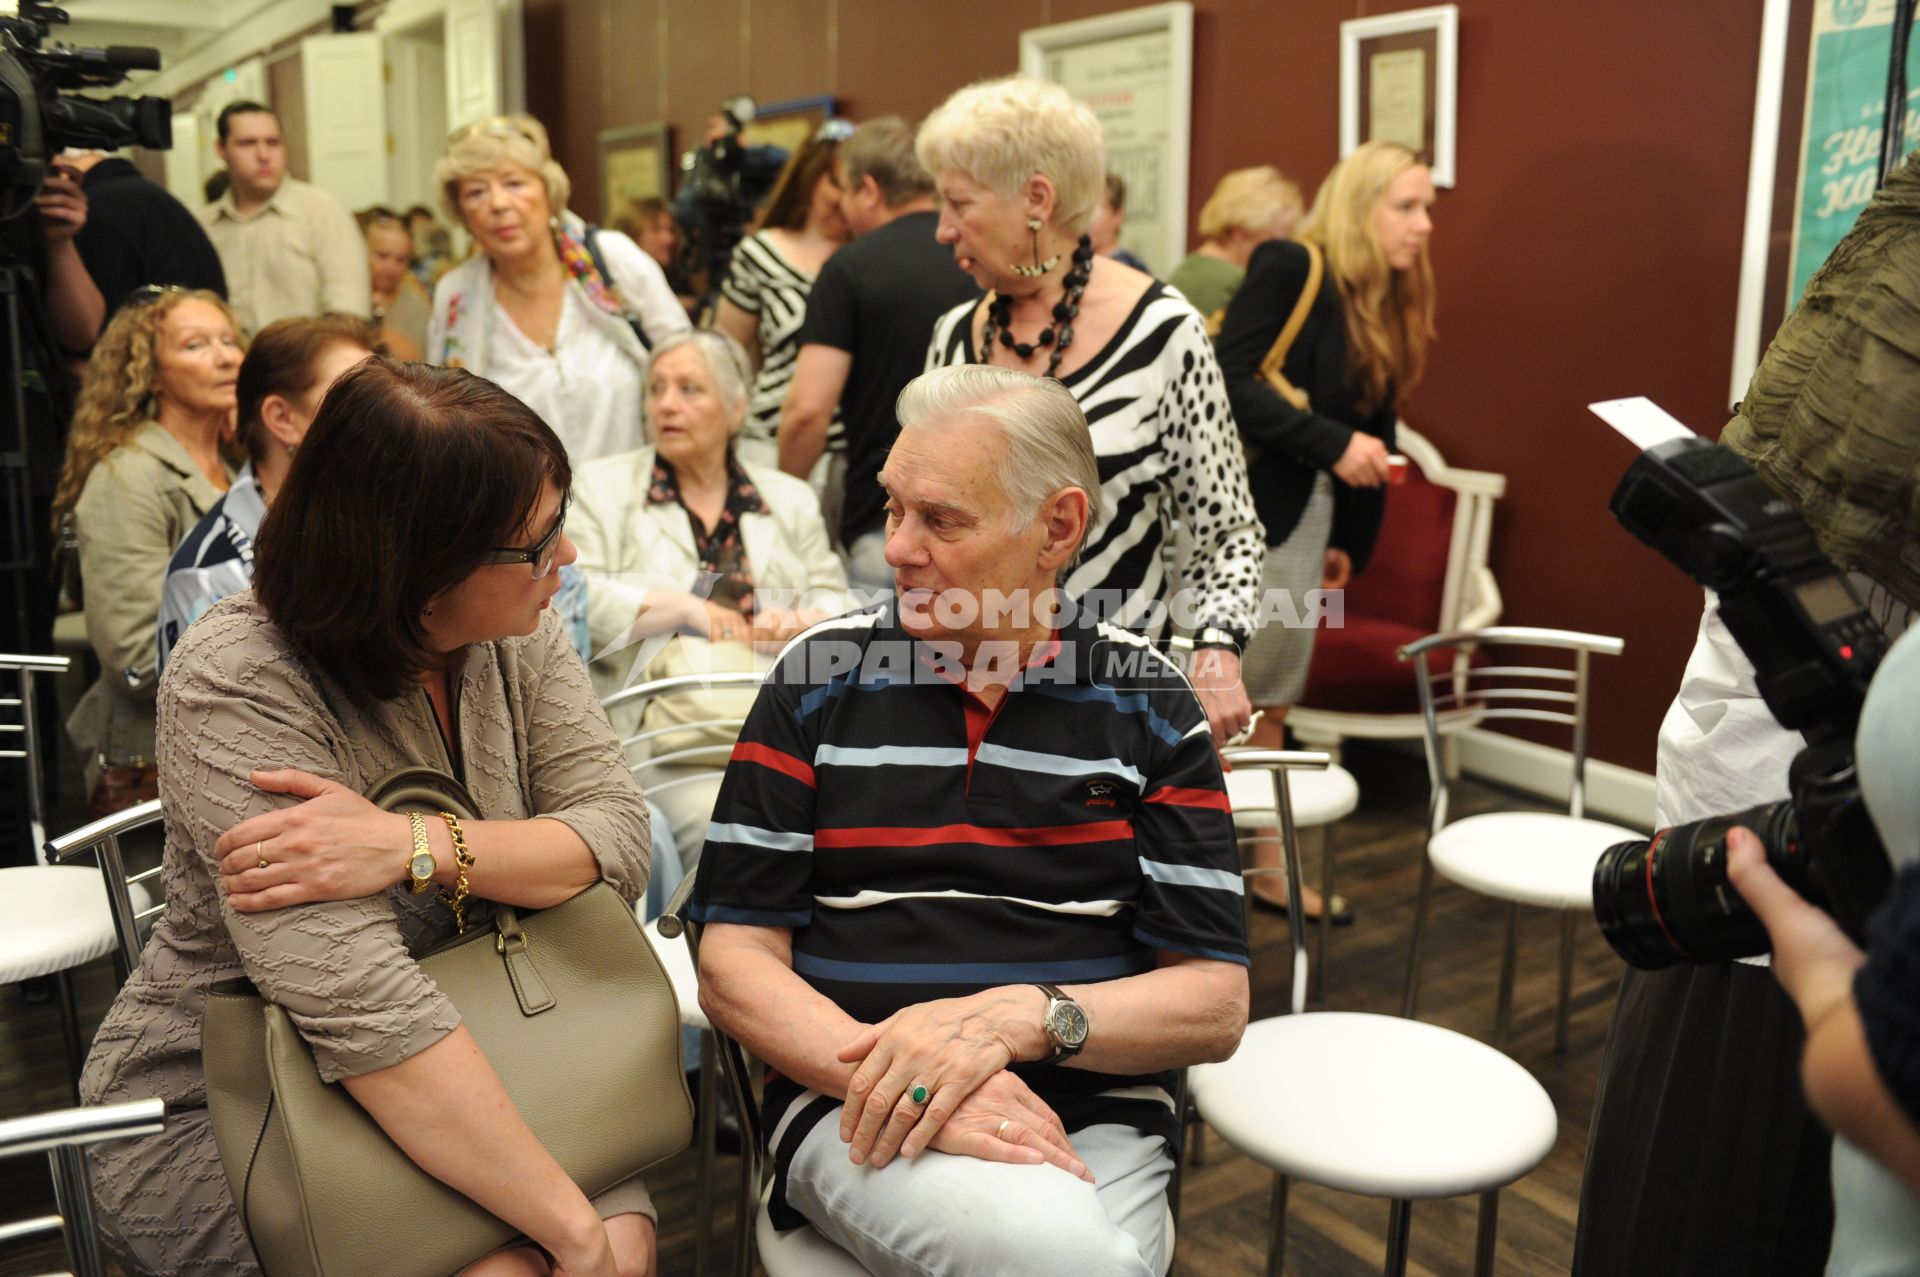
[
  {"x": 345, "y": 83},
  {"x": 185, "y": 179},
  {"x": 417, "y": 112},
  {"x": 474, "y": 88}
]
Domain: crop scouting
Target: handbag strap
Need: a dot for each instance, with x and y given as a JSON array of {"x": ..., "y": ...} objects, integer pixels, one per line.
[
  {"x": 1270, "y": 367},
  {"x": 592, "y": 238}
]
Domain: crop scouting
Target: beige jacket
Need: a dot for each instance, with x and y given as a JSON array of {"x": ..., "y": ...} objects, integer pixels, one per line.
[
  {"x": 138, "y": 504},
  {"x": 629, "y": 547}
]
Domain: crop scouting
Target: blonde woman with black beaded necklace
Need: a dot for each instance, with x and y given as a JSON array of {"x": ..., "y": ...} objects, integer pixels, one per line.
[{"x": 1021, "y": 168}]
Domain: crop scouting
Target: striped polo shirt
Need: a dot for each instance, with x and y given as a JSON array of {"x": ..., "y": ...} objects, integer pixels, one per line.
[{"x": 920, "y": 845}]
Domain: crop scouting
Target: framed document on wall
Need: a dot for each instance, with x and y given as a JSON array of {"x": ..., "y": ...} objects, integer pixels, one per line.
[
  {"x": 633, "y": 166},
  {"x": 1135, "y": 69},
  {"x": 789, "y": 125},
  {"x": 1397, "y": 76}
]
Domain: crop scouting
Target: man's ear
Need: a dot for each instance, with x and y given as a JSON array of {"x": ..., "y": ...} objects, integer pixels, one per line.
[
  {"x": 1063, "y": 516},
  {"x": 870, "y": 188}
]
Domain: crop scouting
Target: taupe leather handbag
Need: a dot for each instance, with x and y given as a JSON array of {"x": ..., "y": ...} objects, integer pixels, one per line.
[{"x": 572, "y": 1009}]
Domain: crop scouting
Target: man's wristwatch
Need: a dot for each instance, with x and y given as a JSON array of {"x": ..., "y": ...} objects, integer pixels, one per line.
[
  {"x": 1065, "y": 1023},
  {"x": 421, "y": 864}
]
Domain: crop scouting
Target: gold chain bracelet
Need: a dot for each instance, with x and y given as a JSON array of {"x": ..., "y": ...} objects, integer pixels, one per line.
[{"x": 456, "y": 899}]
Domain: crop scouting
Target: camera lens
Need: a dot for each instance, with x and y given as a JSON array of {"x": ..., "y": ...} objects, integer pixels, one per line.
[{"x": 1668, "y": 900}]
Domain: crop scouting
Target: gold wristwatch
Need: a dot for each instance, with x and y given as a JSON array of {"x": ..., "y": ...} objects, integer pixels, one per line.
[{"x": 421, "y": 864}]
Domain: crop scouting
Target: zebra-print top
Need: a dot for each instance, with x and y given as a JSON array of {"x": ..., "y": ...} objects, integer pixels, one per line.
[
  {"x": 762, "y": 282},
  {"x": 1168, "y": 452}
]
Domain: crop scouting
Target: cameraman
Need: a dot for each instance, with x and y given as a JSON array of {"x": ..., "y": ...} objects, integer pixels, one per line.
[
  {"x": 1702, "y": 1157},
  {"x": 1861, "y": 1066}
]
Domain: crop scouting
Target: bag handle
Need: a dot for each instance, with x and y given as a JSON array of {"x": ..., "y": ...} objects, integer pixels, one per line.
[{"x": 1270, "y": 367}]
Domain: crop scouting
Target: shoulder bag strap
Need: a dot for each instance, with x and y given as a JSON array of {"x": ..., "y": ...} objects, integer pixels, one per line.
[
  {"x": 1270, "y": 367},
  {"x": 592, "y": 238}
]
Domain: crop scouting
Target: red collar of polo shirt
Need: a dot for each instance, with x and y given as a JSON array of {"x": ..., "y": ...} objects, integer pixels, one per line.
[{"x": 978, "y": 714}]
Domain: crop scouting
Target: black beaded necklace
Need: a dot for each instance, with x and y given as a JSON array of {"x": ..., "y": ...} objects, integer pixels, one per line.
[{"x": 1059, "y": 334}]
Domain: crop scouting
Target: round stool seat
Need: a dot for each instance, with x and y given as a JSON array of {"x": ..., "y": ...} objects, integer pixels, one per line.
[
  {"x": 52, "y": 918},
  {"x": 678, "y": 961},
  {"x": 1378, "y": 1105},
  {"x": 1318, "y": 797},
  {"x": 1531, "y": 858},
  {"x": 798, "y": 1252}
]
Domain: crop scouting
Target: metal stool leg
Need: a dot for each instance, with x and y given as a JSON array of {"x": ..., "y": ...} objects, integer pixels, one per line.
[
  {"x": 703, "y": 1164},
  {"x": 1566, "y": 981},
  {"x": 70, "y": 1029},
  {"x": 1399, "y": 1221},
  {"x": 1411, "y": 1006},
  {"x": 1484, "y": 1233},
  {"x": 1318, "y": 975},
  {"x": 74, "y": 1200},
  {"x": 1503, "y": 1014},
  {"x": 1277, "y": 1227}
]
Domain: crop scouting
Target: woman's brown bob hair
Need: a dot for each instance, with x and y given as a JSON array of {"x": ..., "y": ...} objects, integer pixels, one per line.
[{"x": 409, "y": 475}]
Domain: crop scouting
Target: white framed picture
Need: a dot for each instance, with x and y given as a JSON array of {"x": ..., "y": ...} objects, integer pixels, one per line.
[
  {"x": 1135, "y": 69},
  {"x": 1397, "y": 82}
]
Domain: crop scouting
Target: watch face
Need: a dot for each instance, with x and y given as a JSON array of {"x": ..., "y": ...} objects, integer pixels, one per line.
[
  {"x": 1069, "y": 1023},
  {"x": 422, "y": 866}
]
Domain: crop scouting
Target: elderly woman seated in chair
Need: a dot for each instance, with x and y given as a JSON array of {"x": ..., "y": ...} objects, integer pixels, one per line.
[
  {"x": 696, "y": 561},
  {"x": 971, "y": 887}
]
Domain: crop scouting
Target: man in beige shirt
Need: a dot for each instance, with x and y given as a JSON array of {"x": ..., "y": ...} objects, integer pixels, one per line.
[{"x": 288, "y": 248}]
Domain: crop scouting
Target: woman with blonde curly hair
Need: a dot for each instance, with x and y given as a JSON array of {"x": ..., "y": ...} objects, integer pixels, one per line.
[
  {"x": 555, "y": 312},
  {"x": 146, "y": 458},
  {"x": 1321, "y": 459}
]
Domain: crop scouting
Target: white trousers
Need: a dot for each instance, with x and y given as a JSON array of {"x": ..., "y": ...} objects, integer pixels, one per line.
[{"x": 960, "y": 1216}]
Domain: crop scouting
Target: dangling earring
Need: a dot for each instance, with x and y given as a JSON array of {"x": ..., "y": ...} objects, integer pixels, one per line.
[{"x": 1039, "y": 267}]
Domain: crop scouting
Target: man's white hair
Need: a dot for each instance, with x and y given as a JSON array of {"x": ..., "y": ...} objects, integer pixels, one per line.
[{"x": 1049, "y": 446}]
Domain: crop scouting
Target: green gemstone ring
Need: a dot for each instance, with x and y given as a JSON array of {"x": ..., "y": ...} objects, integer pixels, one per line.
[{"x": 919, "y": 1095}]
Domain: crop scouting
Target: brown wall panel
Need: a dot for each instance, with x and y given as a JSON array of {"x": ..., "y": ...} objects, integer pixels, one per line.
[{"x": 1590, "y": 250}]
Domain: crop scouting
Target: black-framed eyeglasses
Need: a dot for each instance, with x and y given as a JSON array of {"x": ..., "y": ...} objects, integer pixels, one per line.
[{"x": 541, "y": 555}]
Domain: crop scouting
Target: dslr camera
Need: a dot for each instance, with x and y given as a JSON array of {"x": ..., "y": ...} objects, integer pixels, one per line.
[
  {"x": 1814, "y": 649},
  {"x": 41, "y": 112}
]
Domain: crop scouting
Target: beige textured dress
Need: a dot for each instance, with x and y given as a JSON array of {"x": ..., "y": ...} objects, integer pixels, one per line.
[{"x": 235, "y": 698}]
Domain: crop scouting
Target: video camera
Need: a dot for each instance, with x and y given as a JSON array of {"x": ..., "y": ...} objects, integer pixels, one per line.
[
  {"x": 1814, "y": 649},
  {"x": 724, "y": 183},
  {"x": 37, "y": 120}
]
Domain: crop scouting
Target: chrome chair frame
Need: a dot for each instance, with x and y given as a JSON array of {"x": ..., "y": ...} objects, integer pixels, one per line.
[
  {"x": 61, "y": 1135},
  {"x": 1467, "y": 689},
  {"x": 102, "y": 837},
  {"x": 28, "y": 730}
]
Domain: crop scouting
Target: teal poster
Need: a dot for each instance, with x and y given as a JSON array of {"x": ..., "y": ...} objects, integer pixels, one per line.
[{"x": 1840, "y": 147}]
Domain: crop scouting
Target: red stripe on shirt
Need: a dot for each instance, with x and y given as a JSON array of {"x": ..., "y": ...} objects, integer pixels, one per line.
[
  {"x": 1175, "y": 796},
  {"x": 766, "y": 756},
  {"x": 1036, "y": 836}
]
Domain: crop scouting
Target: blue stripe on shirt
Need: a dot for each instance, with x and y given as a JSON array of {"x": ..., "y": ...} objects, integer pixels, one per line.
[
  {"x": 1194, "y": 951},
  {"x": 1125, "y": 702},
  {"x": 986, "y": 973}
]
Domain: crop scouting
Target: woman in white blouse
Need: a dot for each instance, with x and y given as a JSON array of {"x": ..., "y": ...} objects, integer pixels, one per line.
[
  {"x": 556, "y": 312},
  {"x": 694, "y": 559}
]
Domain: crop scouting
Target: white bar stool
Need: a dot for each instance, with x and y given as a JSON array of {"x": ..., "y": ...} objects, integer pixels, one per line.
[
  {"x": 1321, "y": 799},
  {"x": 1370, "y": 1104}
]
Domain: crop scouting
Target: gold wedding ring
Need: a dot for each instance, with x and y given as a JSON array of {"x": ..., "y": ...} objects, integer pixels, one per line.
[
  {"x": 1002, "y": 1132},
  {"x": 261, "y": 854}
]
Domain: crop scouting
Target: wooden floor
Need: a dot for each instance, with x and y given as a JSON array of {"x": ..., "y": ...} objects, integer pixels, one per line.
[{"x": 1224, "y": 1219}]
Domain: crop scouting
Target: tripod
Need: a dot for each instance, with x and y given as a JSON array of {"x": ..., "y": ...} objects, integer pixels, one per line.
[{"x": 35, "y": 393}]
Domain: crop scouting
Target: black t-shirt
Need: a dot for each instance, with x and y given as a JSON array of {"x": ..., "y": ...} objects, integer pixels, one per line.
[
  {"x": 877, "y": 299},
  {"x": 137, "y": 233}
]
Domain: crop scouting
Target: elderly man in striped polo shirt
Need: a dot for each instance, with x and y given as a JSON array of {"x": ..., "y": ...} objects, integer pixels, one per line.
[{"x": 971, "y": 886}]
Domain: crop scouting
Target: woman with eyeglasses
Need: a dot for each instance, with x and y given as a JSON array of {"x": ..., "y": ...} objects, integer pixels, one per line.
[
  {"x": 399, "y": 617},
  {"x": 764, "y": 298},
  {"x": 146, "y": 458},
  {"x": 557, "y": 312}
]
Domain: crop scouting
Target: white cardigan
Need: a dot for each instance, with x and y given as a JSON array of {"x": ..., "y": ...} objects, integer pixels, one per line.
[{"x": 628, "y": 546}]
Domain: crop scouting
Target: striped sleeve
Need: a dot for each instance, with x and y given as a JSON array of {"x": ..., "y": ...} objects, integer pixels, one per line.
[
  {"x": 757, "y": 866},
  {"x": 1190, "y": 890},
  {"x": 746, "y": 276}
]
